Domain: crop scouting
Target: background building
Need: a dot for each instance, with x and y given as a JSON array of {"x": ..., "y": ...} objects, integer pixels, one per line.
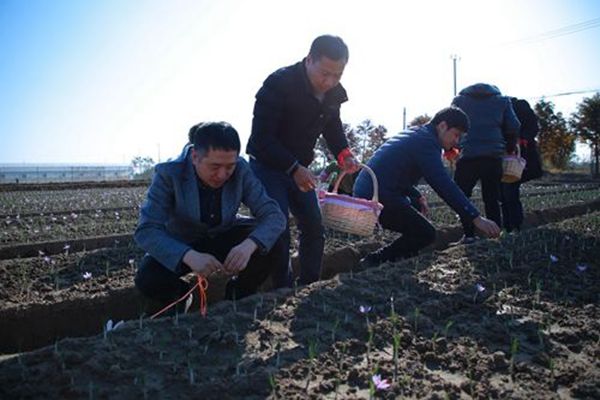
[{"x": 39, "y": 173}]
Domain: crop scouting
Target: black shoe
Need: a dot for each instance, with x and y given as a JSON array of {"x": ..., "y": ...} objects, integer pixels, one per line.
[{"x": 465, "y": 240}]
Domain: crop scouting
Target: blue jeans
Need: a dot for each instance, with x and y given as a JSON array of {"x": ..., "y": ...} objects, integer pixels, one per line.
[
  {"x": 304, "y": 206},
  {"x": 512, "y": 208}
]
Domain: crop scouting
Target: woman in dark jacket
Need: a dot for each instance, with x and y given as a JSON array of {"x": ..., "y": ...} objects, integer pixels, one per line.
[
  {"x": 512, "y": 209},
  {"x": 493, "y": 133}
]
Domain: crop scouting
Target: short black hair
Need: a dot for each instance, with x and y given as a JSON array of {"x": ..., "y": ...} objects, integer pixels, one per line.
[
  {"x": 214, "y": 135},
  {"x": 332, "y": 47},
  {"x": 454, "y": 118}
]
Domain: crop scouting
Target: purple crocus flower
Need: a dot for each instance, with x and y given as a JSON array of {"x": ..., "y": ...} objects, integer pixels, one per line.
[
  {"x": 479, "y": 287},
  {"x": 581, "y": 268},
  {"x": 380, "y": 384},
  {"x": 365, "y": 309},
  {"x": 87, "y": 275},
  {"x": 553, "y": 258}
]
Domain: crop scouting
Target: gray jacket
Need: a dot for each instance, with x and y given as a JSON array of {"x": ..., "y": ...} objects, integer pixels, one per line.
[
  {"x": 170, "y": 216},
  {"x": 494, "y": 125}
]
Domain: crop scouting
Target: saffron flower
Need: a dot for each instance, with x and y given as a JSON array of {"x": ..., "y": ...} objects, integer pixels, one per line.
[
  {"x": 87, "y": 275},
  {"x": 110, "y": 327},
  {"x": 380, "y": 384},
  {"x": 553, "y": 258},
  {"x": 67, "y": 247},
  {"x": 581, "y": 268},
  {"x": 480, "y": 288},
  {"x": 365, "y": 309}
]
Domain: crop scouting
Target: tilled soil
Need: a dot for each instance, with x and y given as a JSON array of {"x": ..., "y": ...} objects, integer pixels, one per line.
[
  {"x": 511, "y": 318},
  {"x": 47, "y": 297}
]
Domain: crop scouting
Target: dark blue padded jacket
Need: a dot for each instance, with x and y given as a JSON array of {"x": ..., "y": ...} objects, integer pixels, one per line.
[
  {"x": 494, "y": 126},
  {"x": 402, "y": 161}
]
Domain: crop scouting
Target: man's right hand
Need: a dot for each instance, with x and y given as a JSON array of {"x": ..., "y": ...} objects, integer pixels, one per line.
[
  {"x": 304, "y": 179},
  {"x": 203, "y": 264},
  {"x": 487, "y": 227}
]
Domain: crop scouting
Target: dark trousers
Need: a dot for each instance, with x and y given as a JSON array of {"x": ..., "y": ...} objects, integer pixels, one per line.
[
  {"x": 488, "y": 170},
  {"x": 305, "y": 208},
  {"x": 512, "y": 208},
  {"x": 162, "y": 284},
  {"x": 417, "y": 232}
]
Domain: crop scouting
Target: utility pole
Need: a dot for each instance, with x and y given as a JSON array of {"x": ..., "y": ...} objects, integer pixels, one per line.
[
  {"x": 158, "y": 145},
  {"x": 454, "y": 57},
  {"x": 404, "y": 119}
]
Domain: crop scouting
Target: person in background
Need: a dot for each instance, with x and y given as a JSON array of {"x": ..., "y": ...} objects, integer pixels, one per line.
[
  {"x": 493, "y": 133},
  {"x": 331, "y": 173},
  {"x": 189, "y": 222},
  {"x": 512, "y": 208},
  {"x": 399, "y": 164},
  {"x": 294, "y": 107}
]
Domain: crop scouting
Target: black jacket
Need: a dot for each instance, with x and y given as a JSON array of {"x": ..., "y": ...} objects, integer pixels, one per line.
[
  {"x": 529, "y": 130},
  {"x": 528, "y": 119},
  {"x": 288, "y": 120}
]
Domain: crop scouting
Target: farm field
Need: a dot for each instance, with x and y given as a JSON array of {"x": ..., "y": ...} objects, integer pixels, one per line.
[
  {"x": 511, "y": 318},
  {"x": 534, "y": 317}
]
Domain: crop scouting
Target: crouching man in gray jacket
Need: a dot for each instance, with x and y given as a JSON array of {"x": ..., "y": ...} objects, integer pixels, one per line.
[{"x": 189, "y": 221}]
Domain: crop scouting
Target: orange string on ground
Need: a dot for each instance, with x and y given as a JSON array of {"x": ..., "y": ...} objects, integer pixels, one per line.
[{"x": 202, "y": 285}]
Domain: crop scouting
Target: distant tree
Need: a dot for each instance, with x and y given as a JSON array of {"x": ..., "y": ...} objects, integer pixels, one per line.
[
  {"x": 586, "y": 124},
  {"x": 322, "y": 153},
  {"x": 368, "y": 139},
  {"x": 420, "y": 120},
  {"x": 557, "y": 144},
  {"x": 363, "y": 140},
  {"x": 142, "y": 167}
]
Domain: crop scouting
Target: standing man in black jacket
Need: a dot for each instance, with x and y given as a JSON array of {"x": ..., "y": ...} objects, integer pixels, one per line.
[{"x": 294, "y": 106}]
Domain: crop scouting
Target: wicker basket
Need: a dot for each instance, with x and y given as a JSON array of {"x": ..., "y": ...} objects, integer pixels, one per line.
[
  {"x": 350, "y": 214},
  {"x": 512, "y": 167}
]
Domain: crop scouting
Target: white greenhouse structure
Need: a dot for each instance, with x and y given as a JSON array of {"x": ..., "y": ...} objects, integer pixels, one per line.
[{"x": 42, "y": 173}]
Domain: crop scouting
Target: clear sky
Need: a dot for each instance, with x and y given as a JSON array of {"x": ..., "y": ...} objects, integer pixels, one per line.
[{"x": 102, "y": 81}]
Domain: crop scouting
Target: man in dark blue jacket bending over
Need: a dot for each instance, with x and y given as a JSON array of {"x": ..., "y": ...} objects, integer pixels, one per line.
[
  {"x": 294, "y": 106},
  {"x": 399, "y": 164}
]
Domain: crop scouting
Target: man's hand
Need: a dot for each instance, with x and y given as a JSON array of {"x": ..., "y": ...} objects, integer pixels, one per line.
[
  {"x": 350, "y": 164},
  {"x": 423, "y": 205},
  {"x": 452, "y": 154},
  {"x": 487, "y": 227},
  {"x": 238, "y": 257},
  {"x": 203, "y": 264},
  {"x": 304, "y": 179}
]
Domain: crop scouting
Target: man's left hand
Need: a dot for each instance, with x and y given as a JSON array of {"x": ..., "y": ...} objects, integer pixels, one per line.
[
  {"x": 238, "y": 257},
  {"x": 351, "y": 164}
]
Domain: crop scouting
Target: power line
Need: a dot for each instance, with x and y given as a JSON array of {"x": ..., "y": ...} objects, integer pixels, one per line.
[
  {"x": 565, "y": 93},
  {"x": 566, "y": 30}
]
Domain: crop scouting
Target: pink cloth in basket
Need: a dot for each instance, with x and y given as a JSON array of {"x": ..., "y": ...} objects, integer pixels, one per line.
[{"x": 348, "y": 201}]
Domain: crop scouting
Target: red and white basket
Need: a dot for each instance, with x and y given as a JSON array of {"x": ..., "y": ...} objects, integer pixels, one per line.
[{"x": 351, "y": 214}]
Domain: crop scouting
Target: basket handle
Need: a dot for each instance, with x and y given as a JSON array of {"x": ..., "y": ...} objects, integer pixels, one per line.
[
  {"x": 373, "y": 178},
  {"x": 518, "y": 148}
]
